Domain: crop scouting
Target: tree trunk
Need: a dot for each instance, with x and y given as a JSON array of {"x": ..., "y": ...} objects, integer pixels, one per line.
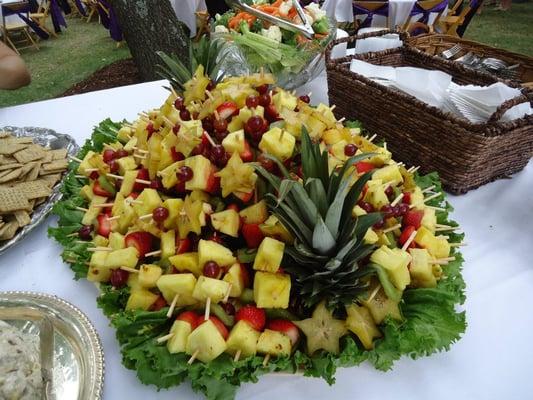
[{"x": 150, "y": 26}]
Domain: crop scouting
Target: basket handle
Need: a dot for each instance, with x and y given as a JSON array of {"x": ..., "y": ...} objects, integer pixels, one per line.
[
  {"x": 506, "y": 105},
  {"x": 355, "y": 38}
]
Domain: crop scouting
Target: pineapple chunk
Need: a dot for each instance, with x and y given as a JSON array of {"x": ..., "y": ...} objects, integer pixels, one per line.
[
  {"x": 98, "y": 259},
  {"x": 360, "y": 322},
  {"x": 209, "y": 287},
  {"x": 284, "y": 100},
  {"x": 332, "y": 136},
  {"x": 437, "y": 247},
  {"x": 421, "y": 270},
  {"x": 124, "y": 134},
  {"x": 370, "y": 237},
  {"x": 269, "y": 255},
  {"x": 98, "y": 274},
  {"x": 148, "y": 201},
  {"x": 168, "y": 174},
  {"x": 429, "y": 220},
  {"x": 174, "y": 207},
  {"x": 127, "y": 257},
  {"x": 395, "y": 262},
  {"x": 255, "y": 214},
  {"x": 358, "y": 211},
  {"x": 202, "y": 168},
  {"x": 116, "y": 241},
  {"x": 272, "y": 290},
  {"x": 141, "y": 299},
  {"x": 87, "y": 192},
  {"x": 206, "y": 342},
  {"x": 227, "y": 222},
  {"x": 149, "y": 274},
  {"x": 273, "y": 228},
  {"x": 234, "y": 142},
  {"x": 315, "y": 127},
  {"x": 417, "y": 199},
  {"x": 100, "y": 241},
  {"x": 212, "y": 251},
  {"x": 173, "y": 284},
  {"x": 278, "y": 143},
  {"x": 274, "y": 343},
  {"x": 337, "y": 150},
  {"x": 186, "y": 262},
  {"x": 126, "y": 164},
  {"x": 389, "y": 174},
  {"x": 168, "y": 244},
  {"x": 178, "y": 342},
  {"x": 128, "y": 182},
  {"x": 381, "y": 306},
  {"x": 244, "y": 338},
  {"x": 375, "y": 194},
  {"x": 235, "y": 278},
  {"x": 86, "y": 163},
  {"x": 90, "y": 216},
  {"x": 324, "y": 113}
]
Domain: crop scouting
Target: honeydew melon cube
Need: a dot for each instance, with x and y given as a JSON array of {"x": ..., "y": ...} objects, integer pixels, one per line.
[
  {"x": 140, "y": 299},
  {"x": 274, "y": 343},
  {"x": 395, "y": 262},
  {"x": 269, "y": 255},
  {"x": 278, "y": 143},
  {"x": 272, "y": 290},
  {"x": 178, "y": 342},
  {"x": 209, "y": 250},
  {"x": 186, "y": 262},
  {"x": 181, "y": 284},
  {"x": 127, "y": 257},
  {"x": 244, "y": 338},
  {"x": 149, "y": 274},
  {"x": 206, "y": 342},
  {"x": 208, "y": 287}
]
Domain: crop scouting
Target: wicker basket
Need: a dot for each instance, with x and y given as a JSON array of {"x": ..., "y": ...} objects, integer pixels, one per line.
[
  {"x": 435, "y": 44},
  {"x": 466, "y": 155}
]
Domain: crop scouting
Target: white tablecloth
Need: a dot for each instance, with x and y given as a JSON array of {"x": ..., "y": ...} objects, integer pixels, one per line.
[{"x": 494, "y": 359}]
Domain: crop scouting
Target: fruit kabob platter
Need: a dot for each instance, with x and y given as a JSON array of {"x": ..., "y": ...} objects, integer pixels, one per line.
[{"x": 238, "y": 230}]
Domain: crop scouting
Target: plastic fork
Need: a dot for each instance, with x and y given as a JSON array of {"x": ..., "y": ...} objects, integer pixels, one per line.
[{"x": 447, "y": 54}]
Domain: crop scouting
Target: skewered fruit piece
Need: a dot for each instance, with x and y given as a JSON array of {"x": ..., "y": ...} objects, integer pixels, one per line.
[
  {"x": 272, "y": 290},
  {"x": 421, "y": 269},
  {"x": 437, "y": 247},
  {"x": 278, "y": 143},
  {"x": 116, "y": 241},
  {"x": 395, "y": 262},
  {"x": 269, "y": 255},
  {"x": 273, "y": 228},
  {"x": 90, "y": 216},
  {"x": 210, "y": 288},
  {"x": 389, "y": 174},
  {"x": 286, "y": 327},
  {"x": 235, "y": 277},
  {"x": 227, "y": 222},
  {"x": 177, "y": 284},
  {"x": 242, "y": 338},
  {"x": 202, "y": 169},
  {"x": 274, "y": 343},
  {"x": 381, "y": 306},
  {"x": 149, "y": 274},
  {"x": 255, "y": 214},
  {"x": 147, "y": 201},
  {"x": 186, "y": 262},
  {"x": 168, "y": 244},
  {"x": 140, "y": 299},
  {"x": 206, "y": 342},
  {"x": 237, "y": 177},
  {"x": 178, "y": 342},
  {"x": 360, "y": 322},
  {"x": 128, "y": 257},
  {"x": 209, "y": 250}
]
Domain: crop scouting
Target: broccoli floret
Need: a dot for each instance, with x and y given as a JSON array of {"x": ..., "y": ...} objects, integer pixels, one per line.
[
  {"x": 288, "y": 37},
  {"x": 257, "y": 26}
]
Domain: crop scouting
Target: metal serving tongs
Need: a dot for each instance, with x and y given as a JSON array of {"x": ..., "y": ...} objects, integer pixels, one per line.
[{"x": 305, "y": 29}]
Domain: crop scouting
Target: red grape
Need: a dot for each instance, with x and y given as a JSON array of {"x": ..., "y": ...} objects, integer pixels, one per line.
[
  {"x": 85, "y": 232},
  {"x": 175, "y": 129},
  {"x": 211, "y": 269},
  {"x": 255, "y": 124},
  {"x": 252, "y": 101},
  {"x": 366, "y": 206},
  {"x": 350, "y": 150},
  {"x": 121, "y": 153},
  {"x": 113, "y": 166},
  {"x": 264, "y": 100},
  {"x": 217, "y": 153},
  {"x": 305, "y": 98},
  {"x": 185, "y": 115},
  {"x": 220, "y": 125},
  {"x": 160, "y": 214},
  {"x": 389, "y": 191},
  {"x": 156, "y": 184},
  {"x": 109, "y": 155},
  {"x": 119, "y": 277},
  {"x": 185, "y": 174},
  {"x": 228, "y": 308},
  {"x": 179, "y": 103},
  {"x": 266, "y": 163},
  {"x": 262, "y": 89}
]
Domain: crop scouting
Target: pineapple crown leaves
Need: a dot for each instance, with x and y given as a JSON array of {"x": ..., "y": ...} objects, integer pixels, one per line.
[
  {"x": 318, "y": 212},
  {"x": 205, "y": 52}
]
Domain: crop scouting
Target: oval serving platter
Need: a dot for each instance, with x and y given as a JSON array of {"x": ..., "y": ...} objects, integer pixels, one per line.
[
  {"x": 78, "y": 358},
  {"x": 44, "y": 137}
]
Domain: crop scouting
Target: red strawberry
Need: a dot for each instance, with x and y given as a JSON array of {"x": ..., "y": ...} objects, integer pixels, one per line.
[
  {"x": 158, "y": 304},
  {"x": 176, "y": 155},
  {"x": 245, "y": 275},
  {"x": 227, "y": 109},
  {"x": 406, "y": 233},
  {"x": 94, "y": 175},
  {"x": 218, "y": 323},
  {"x": 247, "y": 154},
  {"x": 271, "y": 114},
  {"x": 413, "y": 218},
  {"x": 363, "y": 166},
  {"x": 252, "y": 234},
  {"x": 145, "y": 176},
  {"x": 133, "y": 195},
  {"x": 99, "y": 191},
  {"x": 286, "y": 327},
  {"x": 233, "y": 206},
  {"x": 406, "y": 198},
  {"x": 191, "y": 317},
  {"x": 104, "y": 225},
  {"x": 183, "y": 245},
  {"x": 142, "y": 241},
  {"x": 109, "y": 155},
  {"x": 255, "y": 317},
  {"x": 213, "y": 183}
]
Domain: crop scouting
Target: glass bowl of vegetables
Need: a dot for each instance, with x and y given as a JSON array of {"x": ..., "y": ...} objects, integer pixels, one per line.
[{"x": 291, "y": 57}]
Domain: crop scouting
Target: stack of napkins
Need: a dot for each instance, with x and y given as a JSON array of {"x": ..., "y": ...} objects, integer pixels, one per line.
[{"x": 475, "y": 103}]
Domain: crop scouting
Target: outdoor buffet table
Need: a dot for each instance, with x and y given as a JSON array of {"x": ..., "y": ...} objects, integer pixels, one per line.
[{"x": 493, "y": 360}]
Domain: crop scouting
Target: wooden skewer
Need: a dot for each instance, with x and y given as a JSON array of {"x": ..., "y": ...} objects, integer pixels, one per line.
[
  {"x": 165, "y": 338},
  {"x": 210, "y": 139},
  {"x": 131, "y": 270},
  {"x": 173, "y": 91},
  {"x": 436, "y": 208},
  {"x": 433, "y": 196},
  {"x": 371, "y": 138},
  {"x": 333, "y": 107},
  {"x": 139, "y": 156},
  {"x": 397, "y": 199},
  {"x": 443, "y": 237},
  {"x": 75, "y": 159},
  {"x": 217, "y": 115},
  {"x": 209, "y": 95},
  {"x": 173, "y": 305},
  {"x": 451, "y": 228},
  {"x": 115, "y": 176},
  {"x": 385, "y": 145},
  {"x": 409, "y": 240},
  {"x": 169, "y": 122},
  {"x": 91, "y": 169},
  {"x": 140, "y": 150},
  {"x": 266, "y": 360},
  {"x": 80, "y": 176},
  {"x": 458, "y": 244},
  {"x": 153, "y": 253},
  {"x": 310, "y": 94},
  {"x": 114, "y": 218},
  {"x": 133, "y": 201},
  {"x": 145, "y": 216},
  {"x": 392, "y": 228},
  {"x": 193, "y": 357},
  {"x": 73, "y": 234},
  {"x": 207, "y": 308},
  {"x": 342, "y": 120},
  {"x": 142, "y": 181},
  {"x": 99, "y": 249},
  {"x": 226, "y": 297},
  {"x": 81, "y": 209},
  {"x": 262, "y": 72},
  {"x": 82, "y": 241},
  {"x": 428, "y": 189},
  {"x": 237, "y": 356},
  {"x": 400, "y": 164},
  {"x": 104, "y": 205},
  {"x": 412, "y": 170}
]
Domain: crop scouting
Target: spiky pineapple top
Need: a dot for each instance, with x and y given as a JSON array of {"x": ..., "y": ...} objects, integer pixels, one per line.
[{"x": 328, "y": 247}]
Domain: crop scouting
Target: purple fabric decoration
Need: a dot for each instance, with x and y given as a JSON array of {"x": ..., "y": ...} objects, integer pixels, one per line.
[
  {"x": 58, "y": 20},
  {"x": 358, "y": 10},
  {"x": 104, "y": 18},
  {"x": 80, "y": 7},
  {"x": 21, "y": 12},
  {"x": 425, "y": 13},
  {"x": 110, "y": 21}
]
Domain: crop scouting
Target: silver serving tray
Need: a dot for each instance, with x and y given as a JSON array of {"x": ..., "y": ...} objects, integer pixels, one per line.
[
  {"x": 77, "y": 368},
  {"x": 44, "y": 137}
]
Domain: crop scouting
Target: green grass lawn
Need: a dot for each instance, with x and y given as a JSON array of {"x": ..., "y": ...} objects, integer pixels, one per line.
[
  {"x": 60, "y": 63},
  {"x": 511, "y": 30}
]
